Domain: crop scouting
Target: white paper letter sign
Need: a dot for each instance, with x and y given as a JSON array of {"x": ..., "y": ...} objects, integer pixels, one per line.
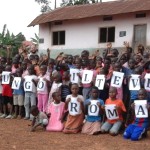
[
  {"x": 111, "y": 112},
  {"x": 134, "y": 83},
  {"x": 74, "y": 106},
  {"x": 141, "y": 110},
  {"x": 87, "y": 76},
  {"x": 74, "y": 76},
  {"x": 147, "y": 82},
  {"x": 41, "y": 85},
  {"x": 16, "y": 83},
  {"x": 100, "y": 81},
  {"x": 117, "y": 79},
  {"x": 93, "y": 109},
  {"x": 5, "y": 77},
  {"x": 28, "y": 84}
]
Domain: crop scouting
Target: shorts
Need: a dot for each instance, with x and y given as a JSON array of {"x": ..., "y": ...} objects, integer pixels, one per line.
[
  {"x": 8, "y": 100},
  {"x": 113, "y": 128},
  {"x": 18, "y": 100},
  {"x": 1, "y": 99}
]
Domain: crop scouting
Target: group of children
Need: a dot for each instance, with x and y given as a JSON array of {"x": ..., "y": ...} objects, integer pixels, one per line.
[{"x": 57, "y": 104}]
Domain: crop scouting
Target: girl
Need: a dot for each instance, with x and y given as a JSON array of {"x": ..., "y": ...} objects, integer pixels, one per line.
[
  {"x": 43, "y": 94},
  {"x": 30, "y": 96},
  {"x": 56, "y": 85},
  {"x": 74, "y": 121},
  {"x": 93, "y": 122},
  {"x": 56, "y": 112},
  {"x": 113, "y": 126}
]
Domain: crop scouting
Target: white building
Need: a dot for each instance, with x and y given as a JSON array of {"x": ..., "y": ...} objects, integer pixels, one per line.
[{"x": 75, "y": 28}]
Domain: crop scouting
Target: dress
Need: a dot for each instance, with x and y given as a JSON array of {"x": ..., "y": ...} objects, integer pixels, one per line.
[{"x": 56, "y": 112}]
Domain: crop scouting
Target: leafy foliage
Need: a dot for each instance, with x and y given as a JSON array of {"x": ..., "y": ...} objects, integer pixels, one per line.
[
  {"x": 78, "y": 2},
  {"x": 36, "y": 39},
  {"x": 45, "y": 5},
  {"x": 7, "y": 39}
]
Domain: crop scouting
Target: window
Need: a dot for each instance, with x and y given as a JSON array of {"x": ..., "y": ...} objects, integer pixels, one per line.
[
  {"x": 107, "y": 18},
  {"x": 107, "y": 35},
  {"x": 59, "y": 38},
  {"x": 140, "y": 15}
]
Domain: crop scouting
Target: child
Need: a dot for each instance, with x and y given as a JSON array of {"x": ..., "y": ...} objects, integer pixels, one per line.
[
  {"x": 56, "y": 112},
  {"x": 113, "y": 126},
  {"x": 65, "y": 90},
  {"x": 40, "y": 118},
  {"x": 1, "y": 98},
  {"x": 74, "y": 122},
  {"x": 56, "y": 85},
  {"x": 30, "y": 96},
  {"x": 140, "y": 125},
  {"x": 18, "y": 96},
  {"x": 93, "y": 123},
  {"x": 7, "y": 97},
  {"x": 43, "y": 95}
]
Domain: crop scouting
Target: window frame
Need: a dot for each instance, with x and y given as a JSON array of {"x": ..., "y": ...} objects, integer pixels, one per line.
[
  {"x": 59, "y": 39},
  {"x": 99, "y": 34}
]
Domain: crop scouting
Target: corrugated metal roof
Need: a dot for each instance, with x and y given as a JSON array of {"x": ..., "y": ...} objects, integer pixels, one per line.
[{"x": 91, "y": 10}]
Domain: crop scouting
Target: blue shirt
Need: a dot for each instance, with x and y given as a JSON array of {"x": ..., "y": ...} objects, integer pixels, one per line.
[
  {"x": 20, "y": 91},
  {"x": 93, "y": 118}
]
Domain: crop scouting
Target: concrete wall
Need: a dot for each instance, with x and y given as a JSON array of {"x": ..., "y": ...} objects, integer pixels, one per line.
[{"x": 84, "y": 34}]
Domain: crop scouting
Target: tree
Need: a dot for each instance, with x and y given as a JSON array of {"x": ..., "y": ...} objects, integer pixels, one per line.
[
  {"x": 45, "y": 5},
  {"x": 78, "y": 2},
  {"x": 10, "y": 40}
]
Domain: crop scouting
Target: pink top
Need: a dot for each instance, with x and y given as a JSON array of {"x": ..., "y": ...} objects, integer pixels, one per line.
[
  {"x": 47, "y": 77},
  {"x": 56, "y": 112}
]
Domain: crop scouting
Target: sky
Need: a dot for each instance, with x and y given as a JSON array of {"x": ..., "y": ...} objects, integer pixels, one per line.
[{"x": 18, "y": 14}]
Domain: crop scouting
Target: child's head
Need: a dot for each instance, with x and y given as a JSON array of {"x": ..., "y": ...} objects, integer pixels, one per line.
[
  {"x": 70, "y": 59},
  {"x": 138, "y": 70},
  {"x": 34, "y": 110},
  {"x": 94, "y": 92},
  {"x": 104, "y": 71},
  {"x": 43, "y": 69},
  {"x": 85, "y": 63},
  {"x": 57, "y": 97},
  {"x": 31, "y": 70},
  {"x": 112, "y": 92},
  {"x": 140, "y": 49},
  {"x": 24, "y": 65},
  {"x": 78, "y": 63},
  {"x": 8, "y": 68},
  {"x": 51, "y": 63},
  {"x": 15, "y": 63},
  {"x": 92, "y": 64},
  {"x": 137, "y": 59},
  {"x": 107, "y": 63},
  {"x": 113, "y": 60},
  {"x": 132, "y": 63},
  {"x": 66, "y": 76},
  {"x": 19, "y": 72},
  {"x": 57, "y": 77},
  {"x": 142, "y": 94},
  {"x": 75, "y": 88},
  {"x": 85, "y": 54},
  {"x": 117, "y": 67},
  {"x": 99, "y": 61},
  {"x": 123, "y": 59}
]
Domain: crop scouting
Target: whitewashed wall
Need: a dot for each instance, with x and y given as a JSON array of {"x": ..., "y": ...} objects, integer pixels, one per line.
[{"x": 83, "y": 34}]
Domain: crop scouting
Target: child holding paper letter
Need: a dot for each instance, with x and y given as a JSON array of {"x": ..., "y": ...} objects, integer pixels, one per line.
[
  {"x": 42, "y": 88},
  {"x": 114, "y": 113},
  {"x": 30, "y": 91},
  {"x": 18, "y": 96},
  {"x": 7, "y": 93},
  {"x": 93, "y": 109},
  {"x": 56, "y": 111},
  {"x": 74, "y": 104},
  {"x": 140, "y": 125}
]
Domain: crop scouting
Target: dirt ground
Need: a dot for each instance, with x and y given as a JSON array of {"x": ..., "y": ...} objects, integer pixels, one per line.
[{"x": 15, "y": 134}]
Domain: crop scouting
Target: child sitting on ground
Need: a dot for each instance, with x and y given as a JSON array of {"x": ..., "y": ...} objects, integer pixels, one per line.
[
  {"x": 113, "y": 126},
  {"x": 140, "y": 125},
  {"x": 56, "y": 112},
  {"x": 40, "y": 118},
  {"x": 93, "y": 121}
]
